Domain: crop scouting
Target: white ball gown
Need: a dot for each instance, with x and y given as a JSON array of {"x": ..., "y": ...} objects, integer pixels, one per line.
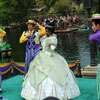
[{"x": 49, "y": 75}]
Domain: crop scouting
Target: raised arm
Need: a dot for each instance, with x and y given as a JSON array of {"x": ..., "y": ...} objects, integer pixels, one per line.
[
  {"x": 23, "y": 38},
  {"x": 42, "y": 30}
]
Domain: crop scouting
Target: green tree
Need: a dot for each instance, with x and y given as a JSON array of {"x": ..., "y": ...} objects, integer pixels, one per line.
[
  {"x": 95, "y": 8},
  {"x": 15, "y": 10},
  {"x": 49, "y": 3},
  {"x": 63, "y": 6}
]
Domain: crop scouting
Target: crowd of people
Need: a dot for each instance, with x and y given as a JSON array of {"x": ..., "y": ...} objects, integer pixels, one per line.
[{"x": 60, "y": 22}]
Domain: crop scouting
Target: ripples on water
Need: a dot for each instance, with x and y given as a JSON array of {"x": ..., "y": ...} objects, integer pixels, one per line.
[{"x": 72, "y": 46}]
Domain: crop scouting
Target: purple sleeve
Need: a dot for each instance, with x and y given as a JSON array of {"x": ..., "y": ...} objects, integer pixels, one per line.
[{"x": 94, "y": 37}]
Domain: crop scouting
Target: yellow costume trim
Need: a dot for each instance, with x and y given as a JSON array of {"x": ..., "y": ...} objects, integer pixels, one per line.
[
  {"x": 3, "y": 65},
  {"x": 77, "y": 64},
  {"x": 21, "y": 64},
  {"x": 23, "y": 38},
  {"x": 19, "y": 69},
  {"x": 7, "y": 70}
]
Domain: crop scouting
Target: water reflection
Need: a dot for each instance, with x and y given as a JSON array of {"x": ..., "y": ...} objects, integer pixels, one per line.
[
  {"x": 68, "y": 46},
  {"x": 72, "y": 46}
]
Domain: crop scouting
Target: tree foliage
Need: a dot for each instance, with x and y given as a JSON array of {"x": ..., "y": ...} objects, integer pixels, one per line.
[
  {"x": 63, "y": 6},
  {"x": 14, "y": 10},
  {"x": 95, "y": 8},
  {"x": 17, "y": 11}
]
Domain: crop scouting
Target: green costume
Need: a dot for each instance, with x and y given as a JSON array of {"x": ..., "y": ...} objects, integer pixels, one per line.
[{"x": 3, "y": 45}]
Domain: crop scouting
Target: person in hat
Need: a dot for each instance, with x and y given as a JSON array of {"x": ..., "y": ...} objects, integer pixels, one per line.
[
  {"x": 96, "y": 28},
  {"x": 49, "y": 74},
  {"x": 31, "y": 37},
  {"x": 96, "y": 38}
]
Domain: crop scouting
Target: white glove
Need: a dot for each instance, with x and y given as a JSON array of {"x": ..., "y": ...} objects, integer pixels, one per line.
[
  {"x": 52, "y": 47},
  {"x": 37, "y": 34}
]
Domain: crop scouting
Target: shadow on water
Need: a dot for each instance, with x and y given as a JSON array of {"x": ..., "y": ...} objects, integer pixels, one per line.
[{"x": 72, "y": 46}]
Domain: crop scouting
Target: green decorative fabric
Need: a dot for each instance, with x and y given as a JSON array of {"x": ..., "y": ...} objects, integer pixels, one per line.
[
  {"x": 5, "y": 47},
  {"x": 3, "y": 28},
  {"x": 2, "y": 43}
]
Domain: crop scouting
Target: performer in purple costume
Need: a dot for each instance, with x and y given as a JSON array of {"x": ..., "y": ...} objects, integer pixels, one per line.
[
  {"x": 96, "y": 28},
  {"x": 32, "y": 49},
  {"x": 96, "y": 38},
  {"x": 31, "y": 37}
]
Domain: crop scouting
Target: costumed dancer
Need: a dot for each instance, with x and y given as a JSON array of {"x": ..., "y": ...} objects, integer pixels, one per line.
[
  {"x": 2, "y": 43},
  {"x": 31, "y": 37},
  {"x": 2, "y": 34},
  {"x": 49, "y": 74},
  {"x": 96, "y": 38}
]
